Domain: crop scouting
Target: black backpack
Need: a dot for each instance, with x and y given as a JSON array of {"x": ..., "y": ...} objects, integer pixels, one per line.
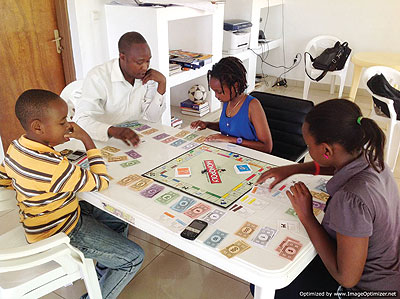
[
  {"x": 331, "y": 59},
  {"x": 381, "y": 87}
]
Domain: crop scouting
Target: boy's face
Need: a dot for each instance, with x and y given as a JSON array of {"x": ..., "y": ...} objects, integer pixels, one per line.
[{"x": 55, "y": 124}]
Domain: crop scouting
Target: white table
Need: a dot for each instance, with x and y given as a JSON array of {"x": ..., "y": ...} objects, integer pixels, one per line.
[{"x": 260, "y": 266}]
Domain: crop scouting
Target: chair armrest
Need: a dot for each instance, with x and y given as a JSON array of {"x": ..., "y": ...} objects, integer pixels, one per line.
[
  {"x": 301, "y": 157},
  {"x": 35, "y": 248}
]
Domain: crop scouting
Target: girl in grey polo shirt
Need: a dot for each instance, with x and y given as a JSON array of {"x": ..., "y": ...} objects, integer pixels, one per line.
[{"x": 359, "y": 238}]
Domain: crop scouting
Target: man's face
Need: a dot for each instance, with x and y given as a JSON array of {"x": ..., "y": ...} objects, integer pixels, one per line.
[
  {"x": 55, "y": 123},
  {"x": 136, "y": 61}
]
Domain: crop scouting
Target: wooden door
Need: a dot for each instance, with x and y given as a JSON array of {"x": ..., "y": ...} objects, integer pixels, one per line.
[{"x": 28, "y": 57}]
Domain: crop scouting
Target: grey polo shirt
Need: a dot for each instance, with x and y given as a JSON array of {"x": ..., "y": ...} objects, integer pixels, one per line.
[{"x": 365, "y": 203}]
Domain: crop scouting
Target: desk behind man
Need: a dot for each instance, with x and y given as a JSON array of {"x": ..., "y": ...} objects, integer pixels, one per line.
[{"x": 120, "y": 90}]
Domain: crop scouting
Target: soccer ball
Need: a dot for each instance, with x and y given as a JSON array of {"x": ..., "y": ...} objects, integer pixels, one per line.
[{"x": 197, "y": 94}]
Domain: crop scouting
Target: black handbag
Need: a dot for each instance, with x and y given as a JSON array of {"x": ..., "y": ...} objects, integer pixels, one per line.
[
  {"x": 381, "y": 87},
  {"x": 331, "y": 59}
]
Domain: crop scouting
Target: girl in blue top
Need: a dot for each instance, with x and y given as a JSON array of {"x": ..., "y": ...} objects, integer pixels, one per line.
[{"x": 242, "y": 120}]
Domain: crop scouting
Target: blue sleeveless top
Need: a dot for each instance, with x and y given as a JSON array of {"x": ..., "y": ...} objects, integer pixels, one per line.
[{"x": 238, "y": 125}]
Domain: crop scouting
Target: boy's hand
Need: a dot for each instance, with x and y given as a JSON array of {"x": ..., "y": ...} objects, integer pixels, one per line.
[
  {"x": 198, "y": 124},
  {"x": 157, "y": 77},
  {"x": 301, "y": 200},
  {"x": 125, "y": 134},
  {"x": 77, "y": 132}
]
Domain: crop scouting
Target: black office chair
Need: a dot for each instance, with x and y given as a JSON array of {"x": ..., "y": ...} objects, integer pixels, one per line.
[{"x": 285, "y": 118}]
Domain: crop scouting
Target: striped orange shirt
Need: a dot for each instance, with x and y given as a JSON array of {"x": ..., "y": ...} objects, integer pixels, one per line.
[{"x": 46, "y": 184}]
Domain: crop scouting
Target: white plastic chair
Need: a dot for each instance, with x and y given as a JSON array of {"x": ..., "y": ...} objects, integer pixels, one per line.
[
  {"x": 34, "y": 270},
  {"x": 392, "y": 124},
  {"x": 70, "y": 94},
  {"x": 315, "y": 48}
]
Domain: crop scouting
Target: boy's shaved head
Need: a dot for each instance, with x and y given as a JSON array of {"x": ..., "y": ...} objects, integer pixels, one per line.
[{"x": 33, "y": 104}]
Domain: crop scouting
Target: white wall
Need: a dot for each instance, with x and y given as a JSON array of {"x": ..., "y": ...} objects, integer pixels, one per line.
[
  {"x": 88, "y": 34},
  {"x": 367, "y": 25}
]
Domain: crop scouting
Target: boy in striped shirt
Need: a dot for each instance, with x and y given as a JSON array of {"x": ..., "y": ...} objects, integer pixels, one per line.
[{"x": 46, "y": 184}]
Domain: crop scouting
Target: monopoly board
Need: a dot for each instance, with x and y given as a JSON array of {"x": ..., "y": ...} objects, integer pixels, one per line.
[{"x": 213, "y": 177}]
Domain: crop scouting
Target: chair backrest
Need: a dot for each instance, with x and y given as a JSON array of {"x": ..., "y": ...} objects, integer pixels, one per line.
[
  {"x": 34, "y": 270},
  {"x": 285, "y": 117},
  {"x": 70, "y": 94},
  {"x": 392, "y": 76},
  {"x": 319, "y": 44},
  {"x": 7, "y": 200}
]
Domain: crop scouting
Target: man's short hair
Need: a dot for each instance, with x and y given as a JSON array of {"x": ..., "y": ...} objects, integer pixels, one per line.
[
  {"x": 32, "y": 104},
  {"x": 128, "y": 39}
]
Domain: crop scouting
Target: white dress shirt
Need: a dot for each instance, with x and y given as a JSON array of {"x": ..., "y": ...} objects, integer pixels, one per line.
[{"x": 108, "y": 99}]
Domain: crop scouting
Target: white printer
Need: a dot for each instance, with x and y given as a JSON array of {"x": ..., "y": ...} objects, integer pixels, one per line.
[{"x": 236, "y": 36}]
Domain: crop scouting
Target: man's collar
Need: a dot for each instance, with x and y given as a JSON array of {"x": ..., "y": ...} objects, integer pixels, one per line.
[
  {"x": 342, "y": 176},
  {"x": 118, "y": 76},
  {"x": 116, "y": 73},
  {"x": 36, "y": 146}
]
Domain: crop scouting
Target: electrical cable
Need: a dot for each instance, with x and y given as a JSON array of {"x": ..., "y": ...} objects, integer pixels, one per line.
[{"x": 265, "y": 53}]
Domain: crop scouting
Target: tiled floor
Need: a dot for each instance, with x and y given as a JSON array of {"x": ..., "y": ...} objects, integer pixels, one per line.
[{"x": 170, "y": 273}]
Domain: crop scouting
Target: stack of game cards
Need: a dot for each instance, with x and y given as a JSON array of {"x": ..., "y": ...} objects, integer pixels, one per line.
[
  {"x": 242, "y": 169},
  {"x": 182, "y": 172},
  {"x": 289, "y": 248}
]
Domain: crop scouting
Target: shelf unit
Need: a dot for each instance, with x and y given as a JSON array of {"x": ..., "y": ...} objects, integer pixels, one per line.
[
  {"x": 174, "y": 27},
  {"x": 251, "y": 10}
]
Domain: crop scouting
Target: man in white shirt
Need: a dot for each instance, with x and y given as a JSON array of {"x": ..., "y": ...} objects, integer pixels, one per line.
[{"x": 121, "y": 90}]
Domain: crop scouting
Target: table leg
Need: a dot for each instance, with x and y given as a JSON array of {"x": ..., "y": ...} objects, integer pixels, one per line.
[
  {"x": 356, "y": 82},
  {"x": 264, "y": 293}
]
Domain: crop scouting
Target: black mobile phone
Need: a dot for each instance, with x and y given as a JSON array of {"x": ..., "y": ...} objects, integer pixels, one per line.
[
  {"x": 75, "y": 155},
  {"x": 194, "y": 229}
]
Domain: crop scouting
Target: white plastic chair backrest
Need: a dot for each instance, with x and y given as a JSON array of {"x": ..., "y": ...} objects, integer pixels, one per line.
[
  {"x": 7, "y": 200},
  {"x": 71, "y": 94},
  {"x": 391, "y": 75},
  {"x": 319, "y": 44}
]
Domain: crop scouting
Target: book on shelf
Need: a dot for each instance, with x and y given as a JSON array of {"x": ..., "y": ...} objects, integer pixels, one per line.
[
  {"x": 190, "y": 104},
  {"x": 186, "y": 62},
  {"x": 195, "y": 110},
  {"x": 199, "y": 114},
  {"x": 175, "y": 122},
  {"x": 174, "y": 68},
  {"x": 189, "y": 59}
]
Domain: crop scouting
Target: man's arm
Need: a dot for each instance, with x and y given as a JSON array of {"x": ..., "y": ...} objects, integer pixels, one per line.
[
  {"x": 91, "y": 104},
  {"x": 153, "y": 104}
]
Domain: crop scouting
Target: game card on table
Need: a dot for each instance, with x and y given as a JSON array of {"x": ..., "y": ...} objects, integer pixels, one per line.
[
  {"x": 235, "y": 248},
  {"x": 141, "y": 184},
  {"x": 246, "y": 229},
  {"x": 152, "y": 191},
  {"x": 217, "y": 237},
  {"x": 197, "y": 210},
  {"x": 129, "y": 179}
]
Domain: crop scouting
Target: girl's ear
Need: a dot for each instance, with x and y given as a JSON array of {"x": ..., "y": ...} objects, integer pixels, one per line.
[
  {"x": 37, "y": 127},
  {"x": 327, "y": 150},
  {"x": 234, "y": 88}
]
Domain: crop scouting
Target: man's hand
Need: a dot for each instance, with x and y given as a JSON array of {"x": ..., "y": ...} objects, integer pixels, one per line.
[
  {"x": 157, "y": 77},
  {"x": 125, "y": 134}
]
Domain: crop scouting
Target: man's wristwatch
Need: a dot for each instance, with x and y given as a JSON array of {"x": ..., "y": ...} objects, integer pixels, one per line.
[{"x": 239, "y": 140}]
